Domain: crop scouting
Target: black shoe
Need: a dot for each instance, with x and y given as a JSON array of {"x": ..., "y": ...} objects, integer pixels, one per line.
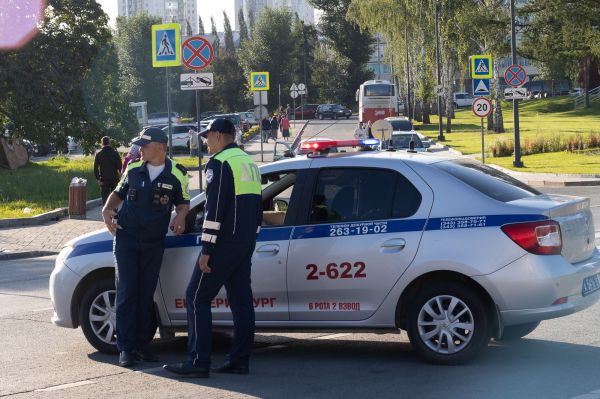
[
  {"x": 187, "y": 369},
  {"x": 143, "y": 356},
  {"x": 229, "y": 368},
  {"x": 126, "y": 359}
]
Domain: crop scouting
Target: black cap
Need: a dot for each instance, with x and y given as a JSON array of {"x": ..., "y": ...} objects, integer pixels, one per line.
[
  {"x": 149, "y": 135},
  {"x": 220, "y": 125}
]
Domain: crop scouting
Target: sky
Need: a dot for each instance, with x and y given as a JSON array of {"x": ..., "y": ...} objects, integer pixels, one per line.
[{"x": 206, "y": 8}]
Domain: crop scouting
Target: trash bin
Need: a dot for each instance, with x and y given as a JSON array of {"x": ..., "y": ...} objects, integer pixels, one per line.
[{"x": 77, "y": 198}]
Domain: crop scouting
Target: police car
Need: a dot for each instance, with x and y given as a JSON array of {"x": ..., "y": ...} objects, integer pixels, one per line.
[{"x": 448, "y": 249}]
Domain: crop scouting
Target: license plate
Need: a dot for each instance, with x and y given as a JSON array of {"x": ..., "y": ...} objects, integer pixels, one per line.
[{"x": 590, "y": 284}]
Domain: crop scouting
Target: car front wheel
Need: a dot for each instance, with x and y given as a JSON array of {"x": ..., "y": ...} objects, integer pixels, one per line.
[
  {"x": 448, "y": 323},
  {"x": 321, "y": 116},
  {"x": 97, "y": 316}
]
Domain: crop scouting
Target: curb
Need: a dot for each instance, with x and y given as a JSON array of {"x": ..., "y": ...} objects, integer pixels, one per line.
[
  {"x": 532, "y": 180},
  {"x": 45, "y": 217},
  {"x": 25, "y": 254}
]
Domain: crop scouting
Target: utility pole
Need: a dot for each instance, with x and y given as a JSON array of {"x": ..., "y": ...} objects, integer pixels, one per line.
[
  {"x": 439, "y": 80},
  {"x": 407, "y": 73},
  {"x": 513, "y": 46}
]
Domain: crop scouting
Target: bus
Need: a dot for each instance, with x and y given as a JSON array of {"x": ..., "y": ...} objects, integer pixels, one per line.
[{"x": 377, "y": 99}]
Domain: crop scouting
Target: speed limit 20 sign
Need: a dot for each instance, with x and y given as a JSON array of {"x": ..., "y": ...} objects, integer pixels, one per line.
[{"x": 482, "y": 107}]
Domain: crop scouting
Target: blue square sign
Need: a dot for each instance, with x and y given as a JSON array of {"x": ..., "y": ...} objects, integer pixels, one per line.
[{"x": 481, "y": 87}]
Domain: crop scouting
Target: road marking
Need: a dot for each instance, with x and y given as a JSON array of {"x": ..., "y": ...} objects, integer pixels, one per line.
[
  {"x": 66, "y": 386},
  {"x": 592, "y": 395}
]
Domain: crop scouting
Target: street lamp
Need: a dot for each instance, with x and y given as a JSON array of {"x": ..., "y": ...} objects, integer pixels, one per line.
[{"x": 439, "y": 80}]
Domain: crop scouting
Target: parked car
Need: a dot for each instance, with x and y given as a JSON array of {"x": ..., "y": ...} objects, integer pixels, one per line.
[
  {"x": 577, "y": 91},
  {"x": 462, "y": 100},
  {"x": 207, "y": 114},
  {"x": 236, "y": 119},
  {"x": 333, "y": 111},
  {"x": 306, "y": 111},
  {"x": 451, "y": 250},
  {"x": 180, "y": 134},
  {"x": 163, "y": 118},
  {"x": 249, "y": 118}
]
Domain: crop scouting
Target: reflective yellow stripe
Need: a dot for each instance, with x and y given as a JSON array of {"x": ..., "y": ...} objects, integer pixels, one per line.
[
  {"x": 130, "y": 166},
  {"x": 183, "y": 180},
  {"x": 246, "y": 175},
  {"x": 211, "y": 225}
]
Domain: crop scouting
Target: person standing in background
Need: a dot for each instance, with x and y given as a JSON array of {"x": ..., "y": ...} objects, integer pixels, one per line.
[{"x": 107, "y": 168}]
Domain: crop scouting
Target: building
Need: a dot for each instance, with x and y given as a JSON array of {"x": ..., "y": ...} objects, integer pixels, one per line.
[
  {"x": 301, "y": 7},
  {"x": 185, "y": 12}
]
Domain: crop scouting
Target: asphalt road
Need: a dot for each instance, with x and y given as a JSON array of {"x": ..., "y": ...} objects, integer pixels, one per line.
[{"x": 560, "y": 359}]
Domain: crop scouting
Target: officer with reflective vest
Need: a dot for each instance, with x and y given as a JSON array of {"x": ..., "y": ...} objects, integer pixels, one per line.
[
  {"x": 147, "y": 191},
  {"x": 233, "y": 216}
]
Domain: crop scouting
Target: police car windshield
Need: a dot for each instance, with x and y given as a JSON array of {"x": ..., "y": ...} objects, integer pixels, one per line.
[
  {"x": 487, "y": 180},
  {"x": 402, "y": 125}
]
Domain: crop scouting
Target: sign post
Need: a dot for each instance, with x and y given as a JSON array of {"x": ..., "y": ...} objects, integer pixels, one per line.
[
  {"x": 482, "y": 108},
  {"x": 197, "y": 54},
  {"x": 166, "y": 39},
  {"x": 259, "y": 81},
  {"x": 516, "y": 76}
]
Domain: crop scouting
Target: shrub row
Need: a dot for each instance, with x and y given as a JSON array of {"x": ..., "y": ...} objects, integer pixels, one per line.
[{"x": 541, "y": 144}]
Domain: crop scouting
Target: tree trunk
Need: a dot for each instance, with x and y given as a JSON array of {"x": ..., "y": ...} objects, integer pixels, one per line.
[{"x": 426, "y": 113}]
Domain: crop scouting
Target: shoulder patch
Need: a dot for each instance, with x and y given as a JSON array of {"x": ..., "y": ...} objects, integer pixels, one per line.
[
  {"x": 209, "y": 175},
  {"x": 181, "y": 168}
]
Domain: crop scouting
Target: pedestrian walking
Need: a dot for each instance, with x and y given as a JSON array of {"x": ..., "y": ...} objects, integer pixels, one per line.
[
  {"x": 285, "y": 127},
  {"x": 360, "y": 132},
  {"x": 193, "y": 141},
  {"x": 133, "y": 155},
  {"x": 274, "y": 127},
  {"x": 369, "y": 131},
  {"x": 147, "y": 192},
  {"x": 233, "y": 217},
  {"x": 107, "y": 168},
  {"x": 266, "y": 128}
]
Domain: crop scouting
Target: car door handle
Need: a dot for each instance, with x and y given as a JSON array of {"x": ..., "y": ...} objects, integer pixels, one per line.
[
  {"x": 394, "y": 243},
  {"x": 268, "y": 249}
]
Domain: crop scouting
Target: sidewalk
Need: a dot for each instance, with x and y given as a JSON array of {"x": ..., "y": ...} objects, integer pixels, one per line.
[{"x": 49, "y": 237}]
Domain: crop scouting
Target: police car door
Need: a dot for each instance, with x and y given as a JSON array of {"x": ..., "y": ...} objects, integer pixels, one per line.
[{"x": 362, "y": 231}]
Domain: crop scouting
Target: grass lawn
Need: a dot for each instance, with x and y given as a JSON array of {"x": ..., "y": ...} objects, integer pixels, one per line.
[
  {"x": 545, "y": 117},
  {"x": 44, "y": 186}
]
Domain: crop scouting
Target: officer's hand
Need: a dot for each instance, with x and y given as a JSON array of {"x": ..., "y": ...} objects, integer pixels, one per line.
[
  {"x": 108, "y": 215},
  {"x": 177, "y": 225},
  {"x": 203, "y": 263}
]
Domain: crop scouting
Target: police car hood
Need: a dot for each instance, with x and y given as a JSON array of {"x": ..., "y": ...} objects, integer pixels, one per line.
[{"x": 94, "y": 236}]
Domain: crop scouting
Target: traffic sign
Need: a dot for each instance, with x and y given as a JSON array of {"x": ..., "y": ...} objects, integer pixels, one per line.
[
  {"x": 260, "y": 98},
  {"x": 481, "y": 107},
  {"x": 166, "y": 43},
  {"x": 481, "y": 87},
  {"x": 260, "y": 111},
  {"x": 301, "y": 88},
  {"x": 515, "y": 93},
  {"x": 259, "y": 81},
  {"x": 515, "y": 76},
  {"x": 481, "y": 66},
  {"x": 197, "y": 53},
  {"x": 196, "y": 81},
  {"x": 439, "y": 90}
]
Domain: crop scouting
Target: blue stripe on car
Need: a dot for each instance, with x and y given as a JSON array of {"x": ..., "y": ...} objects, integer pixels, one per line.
[{"x": 338, "y": 230}]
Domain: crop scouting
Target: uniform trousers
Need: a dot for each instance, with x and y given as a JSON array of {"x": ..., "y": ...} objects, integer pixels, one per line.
[
  {"x": 137, "y": 267},
  {"x": 230, "y": 265}
]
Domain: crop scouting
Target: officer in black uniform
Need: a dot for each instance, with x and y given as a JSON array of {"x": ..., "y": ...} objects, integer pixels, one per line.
[
  {"x": 231, "y": 225},
  {"x": 147, "y": 191}
]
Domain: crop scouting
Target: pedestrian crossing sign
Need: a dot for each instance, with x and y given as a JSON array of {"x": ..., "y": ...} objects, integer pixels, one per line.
[
  {"x": 259, "y": 81},
  {"x": 481, "y": 66},
  {"x": 166, "y": 45}
]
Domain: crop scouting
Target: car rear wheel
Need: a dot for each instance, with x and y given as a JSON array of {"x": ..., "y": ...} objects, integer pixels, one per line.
[
  {"x": 321, "y": 116},
  {"x": 334, "y": 117},
  {"x": 97, "y": 316},
  {"x": 448, "y": 323},
  {"x": 512, "y": 333}
]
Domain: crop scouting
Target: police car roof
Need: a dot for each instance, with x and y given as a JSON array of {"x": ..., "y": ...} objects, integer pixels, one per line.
[{"x": 360, "y": 158}]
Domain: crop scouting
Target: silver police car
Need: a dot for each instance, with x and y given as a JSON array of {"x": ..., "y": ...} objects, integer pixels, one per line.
[{"x": 450, "y": 250}]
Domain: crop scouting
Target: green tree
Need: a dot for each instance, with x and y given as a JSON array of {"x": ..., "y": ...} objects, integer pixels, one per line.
[
  {"x": 228, "y": 34},
  {"x": 213, "y": 31},
  {"x": 243, "y": 27},
  {"x": 329, "y": 80},
  {"x": 200, "y": 25},
  {"x": 43, "y": 84},
  {"x": 348, "y": 39}
]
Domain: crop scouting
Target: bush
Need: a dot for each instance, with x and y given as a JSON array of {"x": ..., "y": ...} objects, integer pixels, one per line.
[{"x": 502, "y": 148}]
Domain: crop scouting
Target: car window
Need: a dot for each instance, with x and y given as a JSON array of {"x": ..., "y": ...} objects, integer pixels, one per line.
[
  {"x": 460, "y": 96},
  {"x": 407, "y": 199},
  {"x": 403, "y": 140},
  {"x": 194, "y": 219},
  {"x": 353, "y": 194},
  {"x": 487, "y": 180},
  {"x": 400, "y": 124},
  {"x": 276, "y": 193}
]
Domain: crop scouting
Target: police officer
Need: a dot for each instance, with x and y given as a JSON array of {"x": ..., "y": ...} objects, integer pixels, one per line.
[
  {"x": 148, "y": 190},
  {"x": 233, "y": 218}
]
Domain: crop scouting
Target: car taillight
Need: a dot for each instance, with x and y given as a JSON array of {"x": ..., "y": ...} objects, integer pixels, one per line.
[{"x": 540, "y": 238}]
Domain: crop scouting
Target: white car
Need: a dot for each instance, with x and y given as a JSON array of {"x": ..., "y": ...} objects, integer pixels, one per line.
[
  {"x": 450, "y": 250},
  {"x": 160, "y": 118},
  {"x": 462, "y": 100},
  {"x": 180, "y": 134},
  {"x": 403, "y": 132}
]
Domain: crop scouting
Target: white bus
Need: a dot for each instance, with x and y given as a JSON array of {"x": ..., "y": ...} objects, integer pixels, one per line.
[{"x": 377, "y": 99}]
